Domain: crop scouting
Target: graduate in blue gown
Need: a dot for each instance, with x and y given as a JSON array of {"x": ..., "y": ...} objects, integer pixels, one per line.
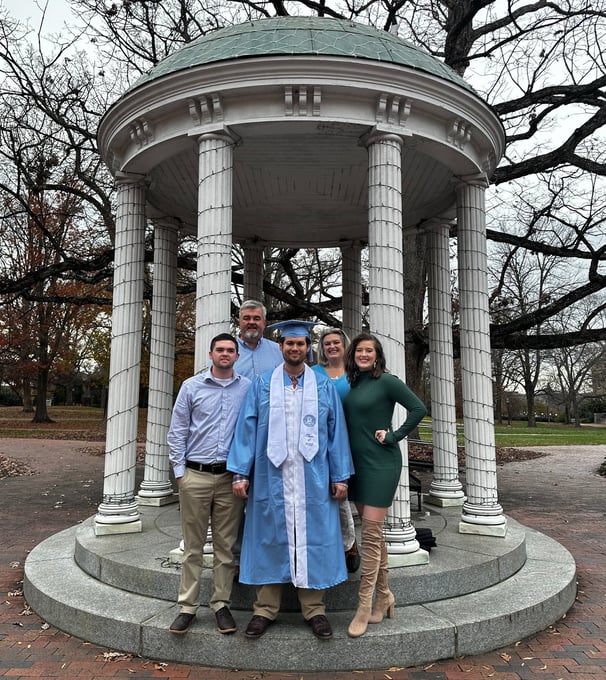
[{"x": 291, "y": 459}]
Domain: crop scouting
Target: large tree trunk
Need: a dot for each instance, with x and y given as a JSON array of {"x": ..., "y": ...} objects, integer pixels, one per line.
[
  {"x": 41, "y": 414},
  {"x": 415, "y": 284},
  {"x": 532, "y": 421},
  {"x": 28, "y": 406},
  {"x": 415, "y": 245}
]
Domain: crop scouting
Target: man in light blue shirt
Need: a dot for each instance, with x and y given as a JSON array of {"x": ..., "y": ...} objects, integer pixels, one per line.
[
  {"x": 200, "y": 434},
  {"x": 257, "y": 354}
]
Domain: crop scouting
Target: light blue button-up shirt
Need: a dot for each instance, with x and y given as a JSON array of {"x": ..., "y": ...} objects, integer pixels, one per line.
[
  {"x": 253, "y": 362},
  {"x": 204, "y": 418}
]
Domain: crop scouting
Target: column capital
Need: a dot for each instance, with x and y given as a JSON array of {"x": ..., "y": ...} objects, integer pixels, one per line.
[
  {"x": 223, "y": 135},
  {"x": 375, "y": 136},
  {"x": 477, "y": 180},
  {"x": 439, "y": 223},
  {"x": 158, "y": 218},
  {"x": 354, "y": 243},
  {"x": 254, "y": 244},
  {"x": 130, "y": 178}
]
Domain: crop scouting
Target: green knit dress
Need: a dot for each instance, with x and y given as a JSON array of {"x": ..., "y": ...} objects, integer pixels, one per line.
[{"x": 369, "y": 407}]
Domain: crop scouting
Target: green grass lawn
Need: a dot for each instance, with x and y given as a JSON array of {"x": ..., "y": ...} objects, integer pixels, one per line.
[
  {"x": 549, "y": 434},
  {"x": 69, "y": 422},
  {"x": 80, "y": 422},
  {"x": 544, "y": 434}
]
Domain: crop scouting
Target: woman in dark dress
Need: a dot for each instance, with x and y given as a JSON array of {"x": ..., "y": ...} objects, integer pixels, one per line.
[{"x": 369, "y": 408}]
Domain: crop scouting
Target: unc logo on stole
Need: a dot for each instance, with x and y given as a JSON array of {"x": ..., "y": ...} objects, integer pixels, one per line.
[{"x": 309, "y": 420}]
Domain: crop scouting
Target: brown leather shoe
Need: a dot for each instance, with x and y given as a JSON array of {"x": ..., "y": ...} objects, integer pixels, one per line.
[
  {"x": 225, "y": 621},
  {"x": 257, "y": 626},
  {"x": 180, "y": 625},
  {"x": 320, "y": 626}
]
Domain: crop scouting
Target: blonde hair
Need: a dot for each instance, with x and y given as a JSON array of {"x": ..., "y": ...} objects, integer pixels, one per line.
[{"x": 322, "y": 360}]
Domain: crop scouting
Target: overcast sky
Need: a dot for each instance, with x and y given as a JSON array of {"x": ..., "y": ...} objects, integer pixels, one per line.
[{"x": 57, "y": 12}]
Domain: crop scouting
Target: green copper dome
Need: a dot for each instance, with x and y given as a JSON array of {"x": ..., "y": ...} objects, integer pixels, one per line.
[{"x": 300, "y": 36}]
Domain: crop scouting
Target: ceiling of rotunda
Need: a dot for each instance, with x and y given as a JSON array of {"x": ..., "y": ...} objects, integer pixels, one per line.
[{"x": 303, "y": 187}]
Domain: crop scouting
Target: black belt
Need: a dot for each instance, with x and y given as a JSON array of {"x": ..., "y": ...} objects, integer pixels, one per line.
[{"x": 213, "y": 468}]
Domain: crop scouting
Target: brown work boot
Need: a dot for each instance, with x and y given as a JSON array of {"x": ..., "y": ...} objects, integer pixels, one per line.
[
  {"x": 180, "y": 625},
  {"x": 257, "y": 626},
  {"x": 320, "y": 626},
  {"x": 225, "y": 621}
]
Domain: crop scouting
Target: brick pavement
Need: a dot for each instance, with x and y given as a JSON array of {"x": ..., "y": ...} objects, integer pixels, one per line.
[{"x": 559, "y": 495}]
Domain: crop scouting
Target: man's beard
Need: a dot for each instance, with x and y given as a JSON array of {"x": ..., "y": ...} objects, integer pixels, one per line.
[
  {"x": 289, "y": 361},
  {"x": 251, "y": 334}
]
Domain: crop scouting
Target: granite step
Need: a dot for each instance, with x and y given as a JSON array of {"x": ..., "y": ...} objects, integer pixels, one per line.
[
  {"x": 462, "y": 563},
  {"x": 476, "y": 594}
]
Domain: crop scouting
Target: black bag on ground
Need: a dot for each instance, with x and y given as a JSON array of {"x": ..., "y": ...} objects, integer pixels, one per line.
[{"x": 426, "y": 539}]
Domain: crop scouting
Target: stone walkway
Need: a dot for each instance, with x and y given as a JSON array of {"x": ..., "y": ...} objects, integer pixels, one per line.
[{"x": 559, "y": 494}]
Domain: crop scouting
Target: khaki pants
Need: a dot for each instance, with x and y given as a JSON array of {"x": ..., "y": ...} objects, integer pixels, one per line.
[
  {"x": 204, "y": 496},
  {"x": 268, "y": 599}
]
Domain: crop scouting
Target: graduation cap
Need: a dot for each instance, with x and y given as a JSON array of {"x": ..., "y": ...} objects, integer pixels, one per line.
[{"x": 294, "y": 328}]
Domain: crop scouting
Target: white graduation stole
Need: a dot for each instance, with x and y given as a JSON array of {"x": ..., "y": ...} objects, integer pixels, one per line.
[{"x": 276, "y": 435}]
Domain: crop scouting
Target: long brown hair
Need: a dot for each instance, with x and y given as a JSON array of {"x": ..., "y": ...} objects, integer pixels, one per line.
[{"x": 352, "y": 371}]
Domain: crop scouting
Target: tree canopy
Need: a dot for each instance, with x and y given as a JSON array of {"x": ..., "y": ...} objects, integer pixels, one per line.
[{"x": 539, "y": 64}]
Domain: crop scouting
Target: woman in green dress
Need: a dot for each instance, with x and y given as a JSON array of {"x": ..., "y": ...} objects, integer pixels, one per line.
[{"x": 369, "y": 408}]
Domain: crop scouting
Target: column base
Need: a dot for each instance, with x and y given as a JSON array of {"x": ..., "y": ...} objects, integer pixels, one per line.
[
  {"x": 441, "y": 502},
  {"x": 157, "y": 501},
  {"x": 401, "y": 541},
  {"x": 150, "y": 488},
  {"x": 497, "y": 530},
  {"x": 413, "y": 559},
  {"x": 115, "y": 529}
]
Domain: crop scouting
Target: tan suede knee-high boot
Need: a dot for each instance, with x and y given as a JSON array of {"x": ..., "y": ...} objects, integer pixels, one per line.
[
  {"x": 385, "y": 601},
  {"x": 372, "y": 537}
]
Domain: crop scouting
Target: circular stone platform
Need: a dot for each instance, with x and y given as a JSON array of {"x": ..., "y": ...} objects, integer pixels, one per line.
[{"x": 477, "y": 593}]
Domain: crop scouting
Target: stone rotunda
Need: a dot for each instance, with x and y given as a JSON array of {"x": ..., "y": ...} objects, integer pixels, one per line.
[{"x": 303, "y": 132}]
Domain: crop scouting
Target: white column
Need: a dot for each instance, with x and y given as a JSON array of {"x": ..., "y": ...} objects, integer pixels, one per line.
[
  {"x": 386, "y": 309},
  {"x": 482, "y": 513},
  {"x": 351, "y": 258},
  {"x": 445, "y": 488},
  {"x": 253, "y": 271},
  {"x": 118, "y": 511},
  {"x": 156, "y": 488},
  {"x": 214, "y": 242}
]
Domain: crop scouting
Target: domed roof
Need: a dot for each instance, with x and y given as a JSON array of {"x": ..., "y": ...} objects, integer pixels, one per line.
[{"x": 300, "y": 36}]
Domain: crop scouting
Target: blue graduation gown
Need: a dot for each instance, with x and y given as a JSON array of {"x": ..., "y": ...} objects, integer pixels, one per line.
[{"x": 292, "y": 530}]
